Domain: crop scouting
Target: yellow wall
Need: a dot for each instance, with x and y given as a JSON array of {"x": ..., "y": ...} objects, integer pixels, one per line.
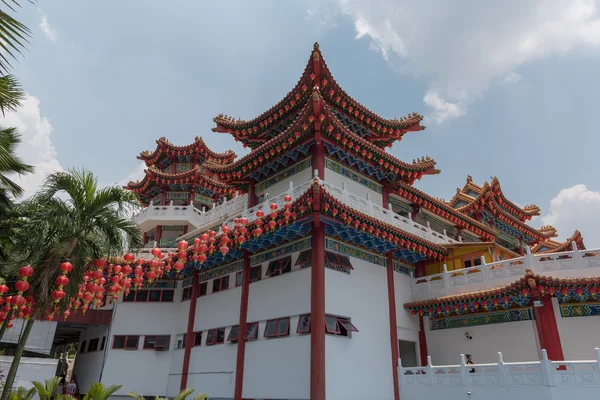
[{"x": 456, "y": 258}]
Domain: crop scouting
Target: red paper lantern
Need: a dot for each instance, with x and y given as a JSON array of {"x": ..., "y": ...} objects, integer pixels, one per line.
[
  {"x": 66, "y": 267},
  {"x": 26, "y": 271}
]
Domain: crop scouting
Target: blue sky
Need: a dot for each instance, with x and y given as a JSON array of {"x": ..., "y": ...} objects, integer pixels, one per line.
[{"x": 508, "y": 90}]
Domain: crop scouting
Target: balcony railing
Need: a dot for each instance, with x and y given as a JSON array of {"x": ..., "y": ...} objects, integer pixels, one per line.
[
  {"x": 494, "y": 381},
  {"x": 191, "y": 214},
  {"x": 487, "y": 276}
]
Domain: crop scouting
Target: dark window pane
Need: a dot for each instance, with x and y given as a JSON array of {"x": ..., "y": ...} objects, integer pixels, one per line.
[
  {"x": 345, "y": 262},
  {"x": 210, "y": 337},
  {"x": 216, "y": 285},
  {"x": 149, "y": 342},
  {"x": 347, "y": 325},
  {"x": 255, "y": 273},
  {"x": 304, "y": 324},
  {"x": 233, "y": 334},
  {"x": 272, "y": 268},
  {"x": 197, "y": 338},
  {"x": 467, "y": 263},
  {"x": 252, "y": 332},
  {"x": 331, "y": 324},
  {"x": 303, "y": 257},
  {"x": 270, "y": 329},
  {"x": 167, "y": 295},
  {"x": 477, "y": 261},
  {"x": 239, "y": 279},
  {"x": 93, "y": 345},
  {"x": 331, "y": 258},
  {"x": 103, "y": 343},
  {"x": 130, "y": 296},
  {"x": 286, "y": 265},
  {"x": 220, "y": 335},
  {"x": 225, "y": 282},
  {"x": 203, "y": 287},
  {"x": 142, "y": 295},
  {"x": 283, "y": 327},
  {"x": 163, "y": 341},
  {"x": 154, "y": 295},
  {"x": 83, "y": 348},
  {"x": 186, "y": 293},
  {"x": 131, "y": 342},
  {"x": 118, "y": 342}
]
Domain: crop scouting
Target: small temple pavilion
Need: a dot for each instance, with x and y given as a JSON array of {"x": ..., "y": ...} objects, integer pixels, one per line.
[{"x": 315, "y": 264}]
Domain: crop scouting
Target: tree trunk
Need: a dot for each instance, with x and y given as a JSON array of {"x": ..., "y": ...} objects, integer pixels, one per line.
[
  {"x": 12, "y": 372},
  {"x": 5, "y": 324}
]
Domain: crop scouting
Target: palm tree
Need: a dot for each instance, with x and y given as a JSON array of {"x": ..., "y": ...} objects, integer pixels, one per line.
[
  {"x": 10, "y": 163},
  {"x": 183, "y": 395},
  {"x": 69, "y": 219},
  {"x": 100, "y": 392}
]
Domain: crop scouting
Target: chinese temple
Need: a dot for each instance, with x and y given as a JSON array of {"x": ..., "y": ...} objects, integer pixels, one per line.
[{"x": 313, "y": 266}]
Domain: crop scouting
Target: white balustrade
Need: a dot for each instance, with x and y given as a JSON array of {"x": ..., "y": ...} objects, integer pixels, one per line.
[
  {"x": 493, "y": 381},
  {"x": 486, "y": 276}
]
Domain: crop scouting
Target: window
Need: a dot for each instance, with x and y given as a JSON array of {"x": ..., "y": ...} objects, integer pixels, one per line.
[
  {"x": 255, "y": 275},
  {"x": 277, "y": 327},
  {"x": 233, "y": 334},
  {"x": 303, "y": 324},
  {"x": 187, "y": 293},
  {"x": 304, "y": 259},
  {"x": 197, "y": 339},
  {"x": 125, "y": 342},
  {"x": 337, "y": 262},
  {"x": 181, "y": 341},
  {"x": 93, "y": 345},
  {"x": 473, "y": 261},
  {"x": 239, "y": 278},
  {"x": 339, "y": 325},
  {"x": 252, "y": 331},
  {"x": 157, "y": 342},
  {"x": 103, "y": 343},
  {"x": 155, "y": 295},
  {"x": 215, "y": 336},
  {"x": 278, "y": 267},
  {"x": 203, "y": 289},
  {"x": 221, "y": 284},
  {"x": 83, "y": 346}
]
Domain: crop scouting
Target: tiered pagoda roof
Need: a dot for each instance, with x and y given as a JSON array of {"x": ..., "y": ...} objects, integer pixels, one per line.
[
  {"x": 355, "y": 116},
  {"x": 198, "y": 152},
  {"x": 553, "y": 246}
]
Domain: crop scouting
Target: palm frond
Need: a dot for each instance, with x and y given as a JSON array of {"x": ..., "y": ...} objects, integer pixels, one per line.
[
  {"x": 184, "y": 394},
  {"x": 100, "y": 392},
  {"x": 11, "y": 93},
  {"x": 13, "y": 37}
]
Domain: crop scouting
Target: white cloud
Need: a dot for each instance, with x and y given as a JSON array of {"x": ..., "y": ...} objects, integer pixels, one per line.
[
  {"x": 136, "y": 175},
  {"x": 36, "y": 147},
  {"x": 512, "y": 77},
  {"x": 461, "y": 49},
  {"x": 574, "y": 208},
  {"x": 47, "y": 29}
]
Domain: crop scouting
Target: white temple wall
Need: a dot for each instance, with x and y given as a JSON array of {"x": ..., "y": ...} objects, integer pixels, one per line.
[
  {"x": 360, "y": 366},
  {"x": 578, "y": 335},
  {"x": 516, "y": 341},
  {"x": 88, "y": 365},
  {"x": 300, "y": 173},
  {"x": 39, "y": 340},
  {"x": 353, "y": 186}
]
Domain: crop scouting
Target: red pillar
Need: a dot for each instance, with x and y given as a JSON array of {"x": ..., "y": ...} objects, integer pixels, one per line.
[
  {"x": 545, "y": 323},
  {"x": 386, "y": 196},
  {"x": 189, "y": 335},
  {"x": 317, "y": 310},
  {"x": 241, "y": 346},
  {"x": 251, "y": 194},
  {"x": 422, "y": 342},
  {"x": 420, "y": 269},
  {"x": 158, "y": 235},
  {"x": 185, "y": 229},
  {"x": 163, "y": 198},
  {"x": 393, "y": 325}
]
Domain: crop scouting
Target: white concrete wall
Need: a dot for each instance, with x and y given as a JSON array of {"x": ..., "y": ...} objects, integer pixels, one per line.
[
  {"x": 88, "y": 366},
  {"x": 578, "y": 335},
  {"x": 39, "y": 340},
  {"x": 30, "y": 369},
  {"x": 360, "y": 366},
  {"x": 282, "y": 186},
  {"x": 516, "y": 341},
  {"x": 353, "y": 187}
]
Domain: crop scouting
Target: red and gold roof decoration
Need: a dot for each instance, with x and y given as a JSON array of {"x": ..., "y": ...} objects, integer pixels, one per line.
[
  {"x": 196, "y": 149},
  {"x": 360, "y": 221},
  {"x": 194, "y": 176},
  {"x": 316, "y": 74},
  {"x": 553, "y": 246},
  {"x": 443, "y": 210},
  {"x": 490, "y": 194},
  {"x": 519, "y": 293},
  {"x": 269, "y": 150},
  {"x": 362, "y": 148}
]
